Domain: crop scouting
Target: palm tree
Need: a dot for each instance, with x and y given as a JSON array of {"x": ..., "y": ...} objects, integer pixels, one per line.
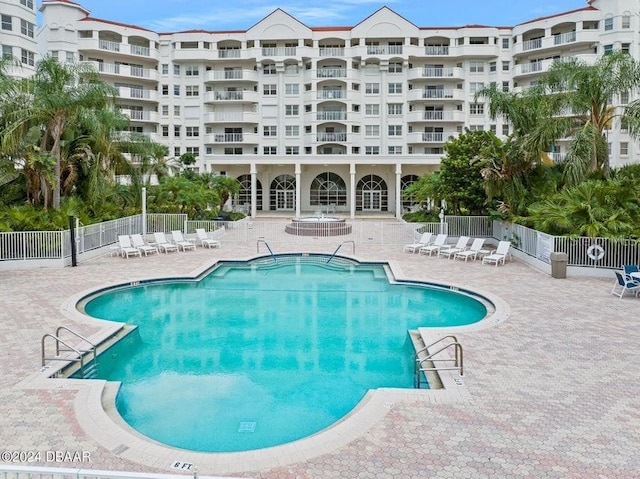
[
  {"x": 225, "y": 187},
  {"x": 58, "y": 97}
]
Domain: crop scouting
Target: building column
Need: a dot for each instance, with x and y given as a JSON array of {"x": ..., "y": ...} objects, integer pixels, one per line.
[
  {"x": 352, "y": 190},
  {"x": 254, "y": 190},
  {"x": 298, "y": 189},
  {"x": 398, "y": 190}
]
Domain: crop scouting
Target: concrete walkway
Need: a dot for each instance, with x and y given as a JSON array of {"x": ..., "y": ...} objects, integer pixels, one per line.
[{"x": 553, "y": 392}]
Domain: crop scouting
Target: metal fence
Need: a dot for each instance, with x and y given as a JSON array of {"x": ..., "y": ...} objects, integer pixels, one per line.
[{"x": 36, "y": 472}]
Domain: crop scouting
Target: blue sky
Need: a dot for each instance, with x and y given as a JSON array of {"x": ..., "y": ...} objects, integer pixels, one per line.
[{"x": 176, "y": 15}]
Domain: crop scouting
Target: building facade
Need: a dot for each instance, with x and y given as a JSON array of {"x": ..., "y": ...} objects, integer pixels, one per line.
[
  {"x": 17, "y": 35},
  {"x": 332, "y": 119}
]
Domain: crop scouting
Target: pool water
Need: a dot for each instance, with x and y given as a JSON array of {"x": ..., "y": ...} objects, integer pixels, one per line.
[{"x": 255, "y": 356}]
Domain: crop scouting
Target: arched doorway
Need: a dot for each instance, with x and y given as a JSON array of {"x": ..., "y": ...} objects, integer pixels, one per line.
[
  {"x": 244, "y": 197},
  {"x": 372, "y": 194},
  {"x": 283, "y": 193},
  {"x": 408, "y": 202},
  {"x": 328, "y": 189}
]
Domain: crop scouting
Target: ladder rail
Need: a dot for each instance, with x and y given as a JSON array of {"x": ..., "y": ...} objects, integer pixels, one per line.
[
  {"x": 78, "y": 352},
  {"x": 262, "y": 240},
  {"x": 458, "y": 360},
  {"x": 340, "y": 246},
  {"x": 78, "y": 335}
]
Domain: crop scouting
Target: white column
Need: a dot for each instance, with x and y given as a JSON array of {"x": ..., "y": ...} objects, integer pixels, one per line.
[
  {"x": 254, "y": 191},
  {"x": 352, "y": 188},
  {"x": 398, "y": 190},
  {"x": 298, "y": 189}
]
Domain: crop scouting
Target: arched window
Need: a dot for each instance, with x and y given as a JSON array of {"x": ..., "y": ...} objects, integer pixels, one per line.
[
  {"x": 372, "y": 194},
  {"x": 328, "y": 189},
  {"x": 283, "y": 193},
  {"x": 408, "y": 202},
  {"x": 244, "y": 197}
]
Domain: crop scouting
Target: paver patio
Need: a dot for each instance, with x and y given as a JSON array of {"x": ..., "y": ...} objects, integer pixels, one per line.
[{"x": 554, "y": 392}]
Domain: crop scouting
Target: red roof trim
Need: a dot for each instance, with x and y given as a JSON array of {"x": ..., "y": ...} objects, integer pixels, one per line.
[
  {"x": 584, "y": 9},
  {"x": 111, "y": 22},
  {"x": 65, "y": 1}
]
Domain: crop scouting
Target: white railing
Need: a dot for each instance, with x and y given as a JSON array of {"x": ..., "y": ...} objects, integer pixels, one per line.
[
  {"x": 109, "y": 45},
  {"x": 473, "y": 226},
  {"x": 227, "y": 95},
  {"x": 28, "y": 472},
  {"x": 278, "y": 51},
  {"x": 440, "y": 93},
  {"x": 532, "y": 44},
  {"x": 230, "y": 53},
  {"x": 564, "y": 38},
  {"x": 331, "y": 115},
  {"x": 384, "y": 49},
  {"x": 436, "y": 50},
  {"x": 26, "y": 245},
  {"x": 139, "y": 50},
  {"x": 339, "y": 136},
  {"x": 331, "y": 94},
  {"x": 227, "y": 137},
  {"x": 437, "y": 72},
  {"x": 331, "y": 51},
  {"x": 331, "y": 73}
]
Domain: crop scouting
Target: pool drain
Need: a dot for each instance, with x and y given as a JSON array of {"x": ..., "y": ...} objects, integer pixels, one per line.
[{"x": 247, "y": 427}]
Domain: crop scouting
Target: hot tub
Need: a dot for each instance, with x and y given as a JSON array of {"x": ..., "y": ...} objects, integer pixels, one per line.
[{"x": 318, "y": 226}]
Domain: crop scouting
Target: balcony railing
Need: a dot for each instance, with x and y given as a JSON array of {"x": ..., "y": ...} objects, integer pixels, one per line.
[
  {"x": 139, "y": 50},
  {"x": 331, "y": 51},
  {"x": 564, "y": 38},
  {"x": 436, "y": 50},
  {"x": 231, "y": 53},
  {"x": 437, "y": 94},
  {"x": 437, "y": 72},
  {"x": 227, "y": 137},
  {"x": 532, "y": 44},
  {"x": 331, "y": 73},
  {"x": 109, "y": 45},
  {"x": 325, "y": 137},
  {"x": 433, "y": 137},
  {"x": 278, "y": 51},
  {"x": 332, "y": 94},
  {"x": 384, "y": 49},
  {"x": 227, "y": 95},
  {"x": 331, "y": 116}
]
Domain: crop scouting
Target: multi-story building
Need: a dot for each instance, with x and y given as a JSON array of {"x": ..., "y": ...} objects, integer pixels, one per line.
[
  {"x": 328, "y": 118},
  {"x": 17, "y": 35}
]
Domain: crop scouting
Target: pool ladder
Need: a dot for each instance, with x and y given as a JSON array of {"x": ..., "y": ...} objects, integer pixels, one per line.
[
  {"x": 88, "y": 370},
  {"x": 262, "y": 240},
  {"x": 423, "y": 356},
  {"x": 340, "y": 246}
]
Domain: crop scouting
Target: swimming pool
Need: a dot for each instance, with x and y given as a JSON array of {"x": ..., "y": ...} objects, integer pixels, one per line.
[{"x": 261, "y": 353}]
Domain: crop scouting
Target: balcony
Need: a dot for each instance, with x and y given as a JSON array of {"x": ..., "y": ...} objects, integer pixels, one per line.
[
  {"x": 117, "y": 47},
  {"x": 230, "y": 75},
  {"x": 430, "y": 137},
  {"x": 331, "y": 73},
  {"x": 436, "y": 50},
  {"x": 331, "y": 52},
  {"x": 232, "y": 117},
  {"x": 137, "y": 94},
  {"x": 114, "y": 69},
  {"x": 384, "y": 49},
  {"x": 228, "y": 138},
  {"x": 439, "y": 94},
  {"x": 452, "y": 72},
  {"x": 435, "y": 115},
  {"x": 331, "y": 137},
  {"x": 272, "y": 52},
  {"x": 232, "y": 96},
  {"x": 332, "y": 95},
  {"x": 558, "y": 41},
  {"x": 141, "y": 116},
  {"x": 331, "y": 116}
]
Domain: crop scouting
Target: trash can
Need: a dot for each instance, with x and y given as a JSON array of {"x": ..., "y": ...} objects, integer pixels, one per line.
[{"x": 559, "y": 265}]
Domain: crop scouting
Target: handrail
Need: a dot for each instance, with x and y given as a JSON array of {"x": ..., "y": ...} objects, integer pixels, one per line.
[
  {"x": 58, "y": 340},
  {"x": 78, "y": 335},
  {"x": 340, "y": 246},
  {"x": 458, "y": 360},
  {"x": 261, "y": 240}
]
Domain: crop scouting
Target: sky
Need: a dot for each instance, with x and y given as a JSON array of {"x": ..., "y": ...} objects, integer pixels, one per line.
[{"x": 178, "y": 15}]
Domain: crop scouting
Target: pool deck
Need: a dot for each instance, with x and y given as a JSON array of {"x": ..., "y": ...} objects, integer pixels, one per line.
[{"x": 552, "y": 392}]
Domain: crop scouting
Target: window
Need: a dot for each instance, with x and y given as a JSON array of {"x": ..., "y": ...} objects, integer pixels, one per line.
[
  {"x": 176, "y": 70},
  {"x": 607, "y": 49},
  {"x": 176, "y": 151},
  {"x": 165, "y": 90},
  {"x": 371, "y": 150},
  {"x": 6, "y": 22},
  {"x": 394, "y": 109},
  {"x": 505, "y": 130},
  {"x": 292, "y": 150},
  {"x": 208, "y": 150},
  {"x": 476, "y": 66},
  {"x": 624, "y": 148},
  {"x": 372, "y": 130},
  {"x": 395, "y": 88},
  {"x": 624, "y": 97},
  {"x": 625, "y": 48},
  {"x": 608, "y": 23},
  {"x": 233, "y": 151},
  {"x": 395, "y": 150},
  {"x": 176, "y": 131},
  {"x": 395, "y": 130},
  {"x": 165, "y": 110},
  {"x": 26, "y": 28},
  {"x": 474, "y": 86},
  {"x": 165, "y": 130},
  {"x": 7, "y": 51},
  {"x": 270, "y": 130},
  {"x": 269, "y": 89},
  {"x": 395, "y": 67},
  {"x": 291, "y": 110},
  {"x": 165, "y": 69},
  {"x": 192, "y": 71},
  {"x": 70, "y": 57},
  {"x": 493, "y": 66},
  {"x": 476, "y": 127},
  {"x": 269, "y": 69},
  {"x": 505, "y": 43},
  {"x": 372, "y": 88},
  {"x": 192, "y": 90},
  {"x": 372, "y": 109},
  {"x": 270, "y": 150},
  {"x": 626, "y": 21},
  {"x": 506, "y": 66},
  {"x": 27, "y": 57},
  {"x": 292, "y": 130},
  {"x": 476, "y": 108},
  {"x": 505, "y": 86},
  {"x": 192, "y": 131},
  {"x": 292, "y": 89},
  {"x": 176, "y": 110},
  {"x": 176, "y": 90},
  {"x": 194, "y": 150},
  {"x": 492, "y": 128},
  {"x": 27, "y": 3}
]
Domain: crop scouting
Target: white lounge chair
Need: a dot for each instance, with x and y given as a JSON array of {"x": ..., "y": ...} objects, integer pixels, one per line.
[
  {"x": 424, "y": 240},
  {"x": 204, "y": 239},
  {"x": 138, "y": 242},
  {"x": 126, "y": 248},
  {"x": 499, "y": 255},
  {"x": 163, "y": 244},
  {"x": 450, "y": 250},
  {"x": 435, "y": 246},
  {"x": 179, "y": 240},
  {"x": 472, "y": 252}
]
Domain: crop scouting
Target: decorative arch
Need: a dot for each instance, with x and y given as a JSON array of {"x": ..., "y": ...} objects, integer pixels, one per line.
[
  {"x": 283, "y": 193},
  {"x": 328, "y": 189},
  {"x": 408, "y": 202},
  {"x": 244, "y": 196},
  {"x": 372, "y": 194}
]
